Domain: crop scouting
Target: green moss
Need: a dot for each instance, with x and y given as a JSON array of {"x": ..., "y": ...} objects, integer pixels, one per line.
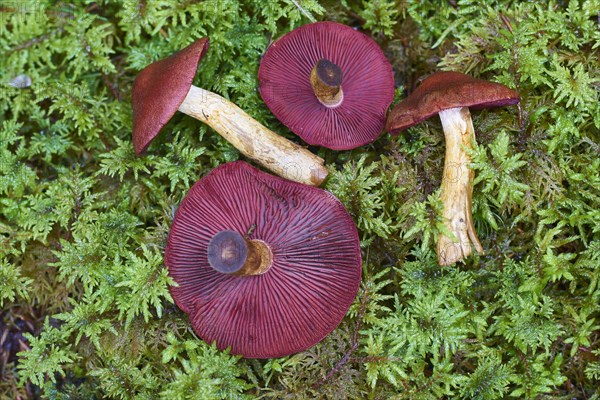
[{"x": 84, "y": 222}]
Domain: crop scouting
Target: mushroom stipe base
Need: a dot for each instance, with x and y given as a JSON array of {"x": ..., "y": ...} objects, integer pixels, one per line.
[
  {"x": 326, "y": 80},
  {"x": 231, "y": 253}
]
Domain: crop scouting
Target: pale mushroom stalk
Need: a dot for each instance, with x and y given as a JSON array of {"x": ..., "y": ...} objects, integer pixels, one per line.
[
  {"x": 285, "y": 158},
  {"x": 457, "y": 187}
]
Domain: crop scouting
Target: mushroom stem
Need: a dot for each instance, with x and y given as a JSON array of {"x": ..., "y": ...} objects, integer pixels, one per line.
[
  {"x": 285, "y": 158},
  {"x": 326, "y": 80},
  {"x": 231, "y": 253},
  {"x": 457, "y": 187}
]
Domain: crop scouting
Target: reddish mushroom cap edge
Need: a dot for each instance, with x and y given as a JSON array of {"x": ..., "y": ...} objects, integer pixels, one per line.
[
  {"x": 444, "y": 90},
  {"x": 160, "y": 88}
]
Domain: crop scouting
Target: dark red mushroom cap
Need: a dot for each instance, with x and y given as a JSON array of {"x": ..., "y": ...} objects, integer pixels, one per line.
[
  {"x": 159, "y": 89},
  {"x": 444, "y": 90},
  {"x": 313, "y": 278},
  {"x": 368, "y": 85}
]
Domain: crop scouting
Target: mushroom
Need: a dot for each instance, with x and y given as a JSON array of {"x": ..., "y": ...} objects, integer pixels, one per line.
[
  {"x": 450, "y": 95},
  {"x": 329, "y": 84},
  {"x": 165, "y": 86},
  {"x": 263, "y": 265}
]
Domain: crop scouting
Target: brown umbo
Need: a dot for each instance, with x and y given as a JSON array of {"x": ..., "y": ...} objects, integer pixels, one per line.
[{"x": 451, "y": 95}]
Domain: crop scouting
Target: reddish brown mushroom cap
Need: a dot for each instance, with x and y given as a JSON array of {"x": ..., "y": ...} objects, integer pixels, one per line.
[
  {"x": 368, "y": 85},
  {"x": 159, "y": 89},
  {"x": 444, "y": 90},
  {"x": 313, "y": 278}
]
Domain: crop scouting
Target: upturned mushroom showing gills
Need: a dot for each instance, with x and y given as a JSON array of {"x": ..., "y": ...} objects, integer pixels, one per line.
[
  {"x": 165, "y": 86},
  {"x": 263, "y": 265},
  {"x": 329, "y": 84},
  {"x": 450, "y": 95}
]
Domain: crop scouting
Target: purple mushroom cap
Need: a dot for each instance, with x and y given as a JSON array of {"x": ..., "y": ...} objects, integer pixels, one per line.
[
  {"x": 368, "y": 85},
  {"x": 313, "y": 278}
]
